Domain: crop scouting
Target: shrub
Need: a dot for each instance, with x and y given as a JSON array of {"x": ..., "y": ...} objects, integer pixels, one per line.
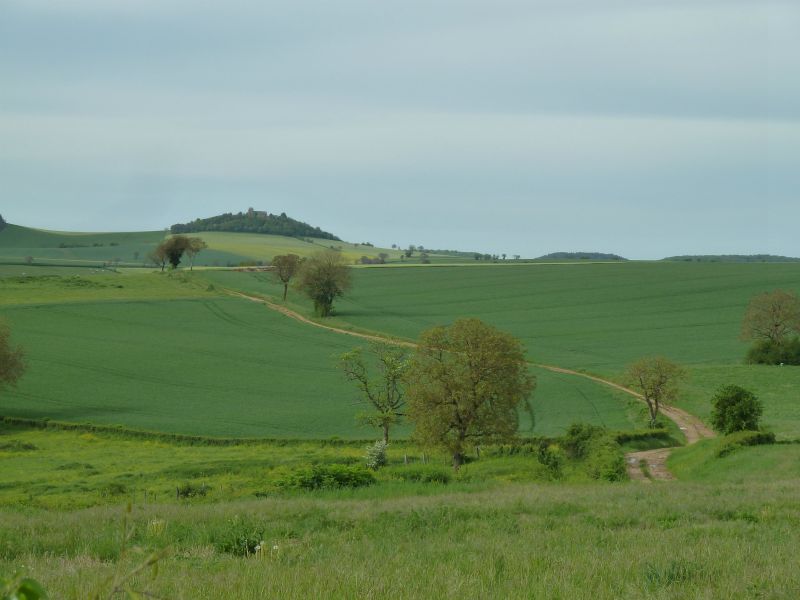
[
  {"x": 189, "y": 490},
  {"x": 376, "y": 455},
  {"x": 605, "y": 459},
  {"x": 735, "y": 409},
  {"x": 578, "y": 438},
  {"x": 423, "y": 474},
  {"x": 241, "y": 537},
  {"x": 324, "y": 477},
  {"x": 552, "y": 458},
  {"x": 767, "y": 352},
  {"x": 740, "y": 439}
]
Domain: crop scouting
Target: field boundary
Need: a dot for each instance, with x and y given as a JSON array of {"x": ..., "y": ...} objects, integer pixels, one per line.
[{"x": 691, "y": 426}]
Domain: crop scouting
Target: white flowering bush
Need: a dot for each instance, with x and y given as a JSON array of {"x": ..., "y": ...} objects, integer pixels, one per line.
[{"x": 376, "y": 455}]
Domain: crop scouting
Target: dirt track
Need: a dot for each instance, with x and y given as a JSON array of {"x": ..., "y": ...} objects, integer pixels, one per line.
[{"x": 692, "y": 427}]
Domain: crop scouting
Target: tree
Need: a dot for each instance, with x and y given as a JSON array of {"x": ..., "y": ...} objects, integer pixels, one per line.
[
  {"x": 735, "y": 409},
  {"x": 410, "y": 251},
  {"x": 174, "y": 248},
  {"x": 466, "y": 385},
  {"x": 12, "y": 359},
  {"x": 158, "y": 256},
  {"x": 29, "y": 260},
  {"x": 285, "y": 268},
  {"x": 657, "y": 378},
  {"x": 773, "y": 317},
  {"x": 194, "y": 246},
  {"x": 324, "y": 277},
  {"x": 383, "y": 393},
  {"x": 382, "y": 256},
  {"x": 424, "y": 258}
]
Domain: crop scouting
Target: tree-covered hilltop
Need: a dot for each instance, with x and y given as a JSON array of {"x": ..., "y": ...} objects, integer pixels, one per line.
[
  {"x": 581, "y": 256},
  {"x": 2, "y": 223},
  {"x": 254, "y": 221},
  {"x": 737, "y": 258}
]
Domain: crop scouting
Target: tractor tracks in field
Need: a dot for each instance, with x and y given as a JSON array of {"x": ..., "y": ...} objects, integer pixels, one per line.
[{"x": 644, "y": 466}]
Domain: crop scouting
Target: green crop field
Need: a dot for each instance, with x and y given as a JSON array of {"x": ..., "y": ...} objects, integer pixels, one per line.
[
  {"x": 592, "y": 317},
  {"x": 167, "y": 352}
]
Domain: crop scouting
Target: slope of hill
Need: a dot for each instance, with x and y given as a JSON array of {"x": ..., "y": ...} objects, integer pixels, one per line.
[{"x": 254, "y": 221}]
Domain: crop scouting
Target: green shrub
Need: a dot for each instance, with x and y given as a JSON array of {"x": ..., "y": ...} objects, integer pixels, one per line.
[
  {"x": 17, "y": 446},
  {"x": 767, "y": 352},
  {"x": 734, "y": 441},
  {"x": 579, "y": 437},
  {"x": 240, "y": 537},
  {"x": 735, "y": 409},
  {"x": 325, "y": 477},
  {"x": 376, "y": 455},
  {"x": 423, "y": 474},
  {"x": 552, "y": 458},
  {"x": 605, "y": 459},
  {"x": 190, "y": 490}
]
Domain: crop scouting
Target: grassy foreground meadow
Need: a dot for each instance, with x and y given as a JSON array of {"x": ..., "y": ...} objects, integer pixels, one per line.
[{"x": 520, "y": 541}]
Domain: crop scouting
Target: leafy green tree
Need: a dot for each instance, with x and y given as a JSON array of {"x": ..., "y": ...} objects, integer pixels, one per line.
[
  {"x": 657, "y": 379},
  {"x": 324, "y": 277},
  {"x": 12, "y": 359},
  {"x": 285, "y": 267},
  {"x": 735, "y": 409},
  {"x": 467, "y": 383},
  {"x": 194, "y": 246},
  {"x": 384, "y": 392}
]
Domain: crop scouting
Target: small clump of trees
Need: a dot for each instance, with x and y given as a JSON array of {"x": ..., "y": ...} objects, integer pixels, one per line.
[
  {"x": 772, "y": 323},
  {"x": 324, "y": 277},
  {"x": 171, "y": 251}
]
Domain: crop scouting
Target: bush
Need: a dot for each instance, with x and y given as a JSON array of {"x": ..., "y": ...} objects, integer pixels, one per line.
[
  {"x": 735, "y": 409},
  {"x": 552, "y": 458},
  {"x": 423, "y": 474},
  {"x": 241, "y": 537},
  {"x": 767, "y": 352},
  {"x": 579, "y": 437},
  {"x": 376, "y": 455},
  {"x": 189, "y": 490},
  {"x": 605, "y": 459},
  {"x": 326, "y": 477},
  {"x": 740, "y": 439}
]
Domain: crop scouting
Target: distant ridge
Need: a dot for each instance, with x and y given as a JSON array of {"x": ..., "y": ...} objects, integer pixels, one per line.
[
  {"x": 254, "y": 221},
  {"x": 581, "y": 256},
  {"x": 737, "y": 258}
]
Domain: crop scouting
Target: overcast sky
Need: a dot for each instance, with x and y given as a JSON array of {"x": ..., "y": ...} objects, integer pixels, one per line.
[{"x": 641, "y": 127}]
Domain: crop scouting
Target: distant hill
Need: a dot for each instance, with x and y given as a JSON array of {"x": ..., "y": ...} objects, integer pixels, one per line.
[
  {"x": 581, "y": 256},
  {"x": 2, "y": 223},
  {"x": 734, "y": 258},
  {"x": 255, "y": 221}
]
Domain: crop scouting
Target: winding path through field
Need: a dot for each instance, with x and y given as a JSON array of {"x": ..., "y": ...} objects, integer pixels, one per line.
[{"x": 639, "y": 464}]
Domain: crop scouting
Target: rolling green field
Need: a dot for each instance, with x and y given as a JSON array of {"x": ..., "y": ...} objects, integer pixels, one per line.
[
  {"x": 168, "y": 352},
  {"x": 591, "y": 317}
]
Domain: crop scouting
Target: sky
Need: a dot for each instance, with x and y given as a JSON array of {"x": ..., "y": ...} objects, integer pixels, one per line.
[{"x": 646, "y": 128}]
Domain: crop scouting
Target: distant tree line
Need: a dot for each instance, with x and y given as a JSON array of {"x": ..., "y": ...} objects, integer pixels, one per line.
[
  {"x": 254, "y": 222},
  {"x": 738, "y": 258},
  {"x": 581, "y": 256}
]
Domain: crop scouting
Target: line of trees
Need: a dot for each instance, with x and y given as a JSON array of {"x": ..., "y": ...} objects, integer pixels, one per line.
[{"x": 172, "y": 250}]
